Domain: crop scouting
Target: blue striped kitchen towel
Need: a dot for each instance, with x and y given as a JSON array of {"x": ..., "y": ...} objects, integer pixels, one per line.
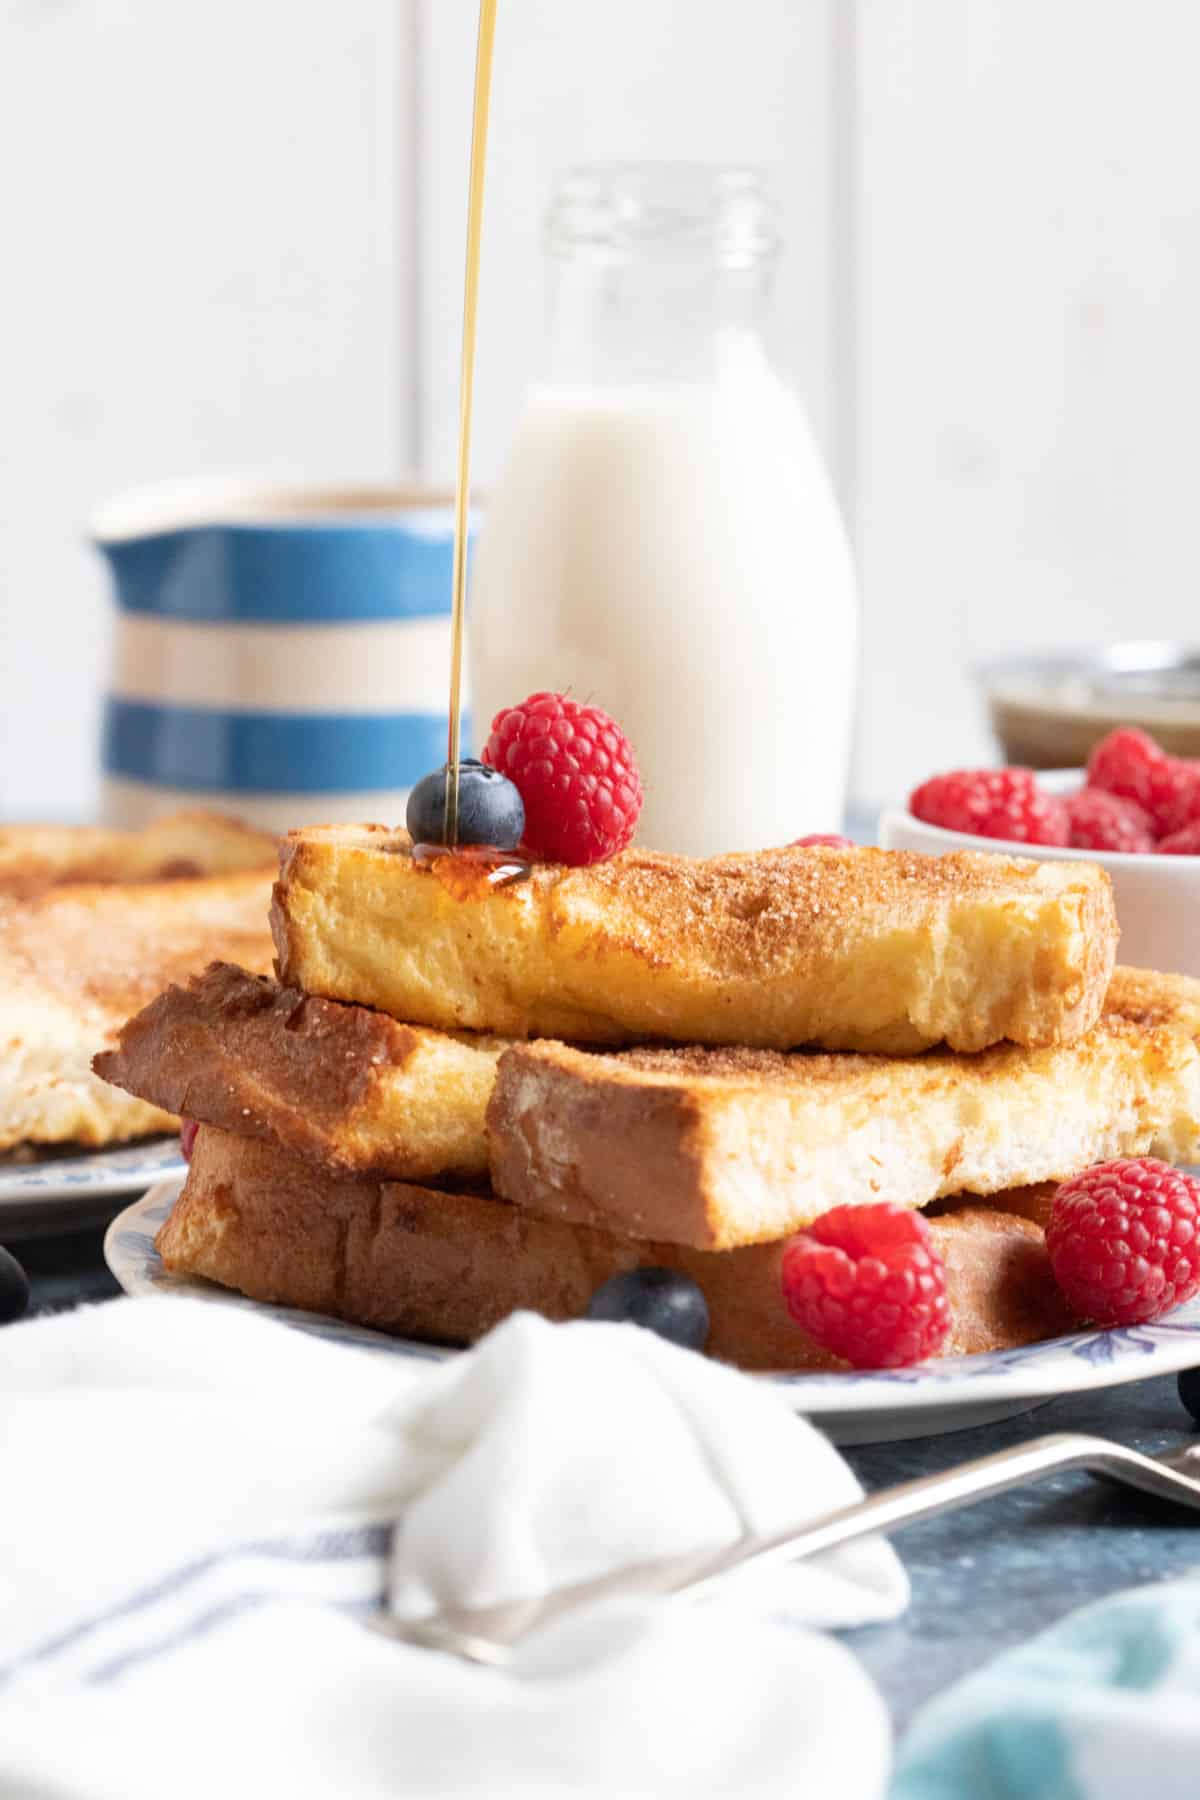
[{"x": 201, "y": 1512}]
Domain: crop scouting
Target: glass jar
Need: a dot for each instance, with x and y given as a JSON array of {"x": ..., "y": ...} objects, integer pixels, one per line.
[{"x": 664, "y": 538}]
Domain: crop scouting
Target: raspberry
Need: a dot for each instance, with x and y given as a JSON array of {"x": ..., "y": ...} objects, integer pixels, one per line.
[
  {"x": 575, "y": 771},
  {"x": 1129, "y": 763},
  {"x": 993, "y": 803},
  {"x": 867, "y": 1282},
  {"x": 1185, "y": 842},
  {"x": 1174, "y": 797},
  {"x": 1123, "y": 1240},
  {"x": 1100, "y": 821},
  {"x": 829, "y": 838},
  {"x": 188, "y": 1131},
  {"x": 1122, "y": 762}
]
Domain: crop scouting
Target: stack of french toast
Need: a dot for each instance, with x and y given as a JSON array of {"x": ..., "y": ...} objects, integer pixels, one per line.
[{"x": 462, "y": 1095}]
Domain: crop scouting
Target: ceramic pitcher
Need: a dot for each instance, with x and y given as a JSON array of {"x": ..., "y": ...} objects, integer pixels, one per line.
[{"x": 281, "y": 655}]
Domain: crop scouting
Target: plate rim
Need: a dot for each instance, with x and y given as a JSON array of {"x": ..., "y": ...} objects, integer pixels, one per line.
[
  {"x": 1078, "y": 1363},
  {"x": 109, "y": 1172}
]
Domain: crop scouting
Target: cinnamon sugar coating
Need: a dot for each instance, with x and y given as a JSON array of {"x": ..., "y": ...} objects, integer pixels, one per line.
[{"x": 842, "y": 949}]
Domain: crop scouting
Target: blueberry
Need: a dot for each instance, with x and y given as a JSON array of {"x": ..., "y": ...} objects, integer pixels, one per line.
[
  {"x": 1189, "y": 1392},
  {"x": 490, "y": 809},
  {"x": 14, "y": 1288},
  {"x": 660, "y": 1299}
]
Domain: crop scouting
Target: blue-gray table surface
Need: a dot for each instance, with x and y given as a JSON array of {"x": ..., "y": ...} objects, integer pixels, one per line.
[{"x": 982, "y": 1579}]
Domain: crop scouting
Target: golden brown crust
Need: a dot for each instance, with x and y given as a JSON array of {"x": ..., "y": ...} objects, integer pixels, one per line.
[
  {"x": 338, "y": 1084},
  {"x": 723, "y": 1145},
  {"x": 184, "y": 846},
  {"x": 849, "y": 950},
  {"x": 717, "y": 1148},
  {"x": 75, "y": 962},
  {"x": 448, "y": 1267}
]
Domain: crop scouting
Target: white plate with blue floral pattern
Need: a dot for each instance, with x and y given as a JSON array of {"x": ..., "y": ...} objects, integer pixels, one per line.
[
  {"x": 59, "y": 1192},
  {"x": 860, "y": 1408}
]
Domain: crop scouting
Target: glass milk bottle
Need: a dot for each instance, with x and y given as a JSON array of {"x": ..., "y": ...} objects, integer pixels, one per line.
[{"x": 664, "y": 539}]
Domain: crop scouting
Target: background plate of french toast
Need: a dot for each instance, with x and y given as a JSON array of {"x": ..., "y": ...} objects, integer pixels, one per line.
[
  {"x": 455, "y": 1097},
  {"x": 93, "y": 924}
]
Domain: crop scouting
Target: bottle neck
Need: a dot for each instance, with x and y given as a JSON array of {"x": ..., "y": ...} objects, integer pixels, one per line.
[{"x": 656, "y": 319}]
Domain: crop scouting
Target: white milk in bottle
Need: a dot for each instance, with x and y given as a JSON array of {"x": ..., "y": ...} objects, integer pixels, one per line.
[{"x": 664, "y": 539}]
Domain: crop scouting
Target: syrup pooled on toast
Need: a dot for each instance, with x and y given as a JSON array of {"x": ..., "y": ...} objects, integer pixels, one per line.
[{"x": 468, "y": 871}]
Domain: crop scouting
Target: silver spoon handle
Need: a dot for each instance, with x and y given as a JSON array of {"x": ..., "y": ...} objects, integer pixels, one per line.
[
  {"x": 911, "y": 1501},
  {"x": 484, "y": 1635}
]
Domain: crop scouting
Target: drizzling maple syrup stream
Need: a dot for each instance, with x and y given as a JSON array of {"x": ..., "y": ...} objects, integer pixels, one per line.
[
  {"x": 468, "y": 871},
  {"x": 484, "y": 57}
]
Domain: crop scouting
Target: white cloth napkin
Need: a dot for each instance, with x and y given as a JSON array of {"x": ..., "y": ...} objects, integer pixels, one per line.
[{"x": 197, "y": 1507}]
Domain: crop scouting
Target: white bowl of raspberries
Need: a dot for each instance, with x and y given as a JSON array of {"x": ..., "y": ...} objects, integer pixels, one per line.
[{"x": 1134, "y": 810}]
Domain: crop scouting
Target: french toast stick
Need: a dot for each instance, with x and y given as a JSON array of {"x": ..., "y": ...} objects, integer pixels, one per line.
[
  {"x": 447, "y": 1267},
  {"x": 718, "y": 1148},
  {"x": 860, "y": 949},
  {"x": 182, "y": 846},
  {"x": 339, "y": 1084},
  {"x": 75, "y": 962}
]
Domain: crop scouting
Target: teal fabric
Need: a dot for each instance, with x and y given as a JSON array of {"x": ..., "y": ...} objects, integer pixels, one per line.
[{"x": 1105, "y": 1706}]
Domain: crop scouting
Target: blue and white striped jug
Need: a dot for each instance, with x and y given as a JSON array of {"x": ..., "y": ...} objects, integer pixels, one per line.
[{"x": 283, "y": 655}]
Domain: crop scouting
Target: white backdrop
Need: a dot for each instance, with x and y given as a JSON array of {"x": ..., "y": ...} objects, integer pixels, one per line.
[
  {"x": 1027, "y": 273},
  {"x": 205, "y": 266},
  {"x": 233, "y": 241}
]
